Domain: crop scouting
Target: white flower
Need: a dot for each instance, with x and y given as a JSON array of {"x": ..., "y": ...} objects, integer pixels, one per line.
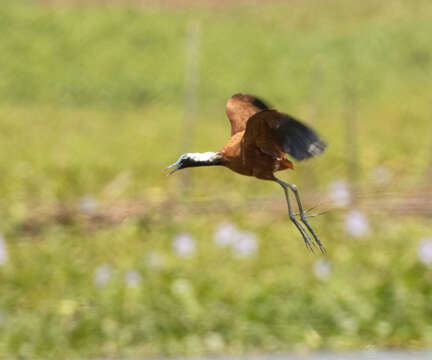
[
  {"x": 245, "y": 244},
  {"x": 103, "y": 274},
  {"x": 88, "y": 205},
  {"x": 356, "y": 223},
  {"x": 339, "y": 193},
  {"x": 322, "y": 269},
  {"x": 132, "y": 278},
  {"x": 225, "y": 234},
  {"x": 4, "y": 253},
  {"x": 424, "y": 251},
  {"x": 184, "y": 245}
]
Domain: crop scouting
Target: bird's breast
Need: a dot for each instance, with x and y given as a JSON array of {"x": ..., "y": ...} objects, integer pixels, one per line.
[{"x": 253, "y": 160}]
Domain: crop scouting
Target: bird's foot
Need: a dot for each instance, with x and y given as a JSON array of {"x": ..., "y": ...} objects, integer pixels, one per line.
[{"x": 311, "y": 235}]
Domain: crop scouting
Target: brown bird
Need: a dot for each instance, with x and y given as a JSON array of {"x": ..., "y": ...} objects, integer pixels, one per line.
[{"x": 260, "y": 138}]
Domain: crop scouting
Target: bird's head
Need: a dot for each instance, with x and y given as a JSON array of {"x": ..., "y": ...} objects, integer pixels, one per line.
[
  {"x": 182, "y": 162},
  {"x": 194, "y": 160}
]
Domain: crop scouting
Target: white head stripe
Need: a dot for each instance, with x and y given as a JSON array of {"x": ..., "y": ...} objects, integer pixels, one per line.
[{"x": 207, "y": 156}]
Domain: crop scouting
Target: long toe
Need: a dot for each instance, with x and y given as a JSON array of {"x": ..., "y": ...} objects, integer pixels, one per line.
[
  {"x": 306, "y": 237},
  {"x": 312, "y": 232}
]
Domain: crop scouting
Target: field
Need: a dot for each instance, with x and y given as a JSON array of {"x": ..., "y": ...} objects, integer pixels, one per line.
[{"x": 101, "y": 254}]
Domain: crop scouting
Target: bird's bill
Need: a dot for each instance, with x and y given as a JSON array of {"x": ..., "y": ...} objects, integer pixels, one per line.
[{"x": 176, "y": 166}]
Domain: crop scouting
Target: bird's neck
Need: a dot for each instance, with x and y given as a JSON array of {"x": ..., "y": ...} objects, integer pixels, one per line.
[{"x": 204, "y": 159}]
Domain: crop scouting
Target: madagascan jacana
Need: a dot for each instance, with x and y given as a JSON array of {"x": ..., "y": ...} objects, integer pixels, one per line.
[{"x": 260, "y": 139}]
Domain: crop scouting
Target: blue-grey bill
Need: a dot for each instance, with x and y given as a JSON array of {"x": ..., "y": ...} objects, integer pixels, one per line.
[{"x": 176, "y": 164}]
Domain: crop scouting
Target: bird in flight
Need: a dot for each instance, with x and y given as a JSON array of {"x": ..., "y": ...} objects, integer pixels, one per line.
[{"x": 260, "y": 139}]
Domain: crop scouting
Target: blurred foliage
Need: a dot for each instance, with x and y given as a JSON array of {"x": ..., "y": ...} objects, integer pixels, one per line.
[{"x": 91, "y": 103}]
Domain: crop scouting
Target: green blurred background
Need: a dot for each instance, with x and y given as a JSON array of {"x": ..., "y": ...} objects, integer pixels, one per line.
[{"x": 101, "y": 254}]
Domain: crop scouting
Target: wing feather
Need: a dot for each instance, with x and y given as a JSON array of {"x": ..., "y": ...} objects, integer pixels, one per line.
[{"x": 295, "y": 138}]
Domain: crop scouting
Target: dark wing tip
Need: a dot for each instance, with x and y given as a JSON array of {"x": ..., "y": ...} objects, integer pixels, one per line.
[
  {"x": 313, "y": 149},
  {"x": 254, "y": 100},
  {"x": 260, "y": 104},
  {"x": 298, "y": 139}
]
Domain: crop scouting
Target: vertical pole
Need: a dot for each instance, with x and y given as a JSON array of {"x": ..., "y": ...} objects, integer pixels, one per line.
[
  {"x": 351, "y": 143},
  {"x": 191, "y": 87},
  {"x": 429, "y": 171}
]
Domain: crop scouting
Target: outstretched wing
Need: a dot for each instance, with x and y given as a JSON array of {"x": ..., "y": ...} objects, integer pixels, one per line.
[
  {"x": 269, "y": 129},
  {"x": 240, "y": 108}
]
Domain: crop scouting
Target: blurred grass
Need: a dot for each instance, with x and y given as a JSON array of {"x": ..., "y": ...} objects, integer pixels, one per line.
[{"x": 91, "y": 104}]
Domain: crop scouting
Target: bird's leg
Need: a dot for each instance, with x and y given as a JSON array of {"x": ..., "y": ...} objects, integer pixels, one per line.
[
  {"x": 304, "y": 234},
  {"x": 303, "y": 217}
]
